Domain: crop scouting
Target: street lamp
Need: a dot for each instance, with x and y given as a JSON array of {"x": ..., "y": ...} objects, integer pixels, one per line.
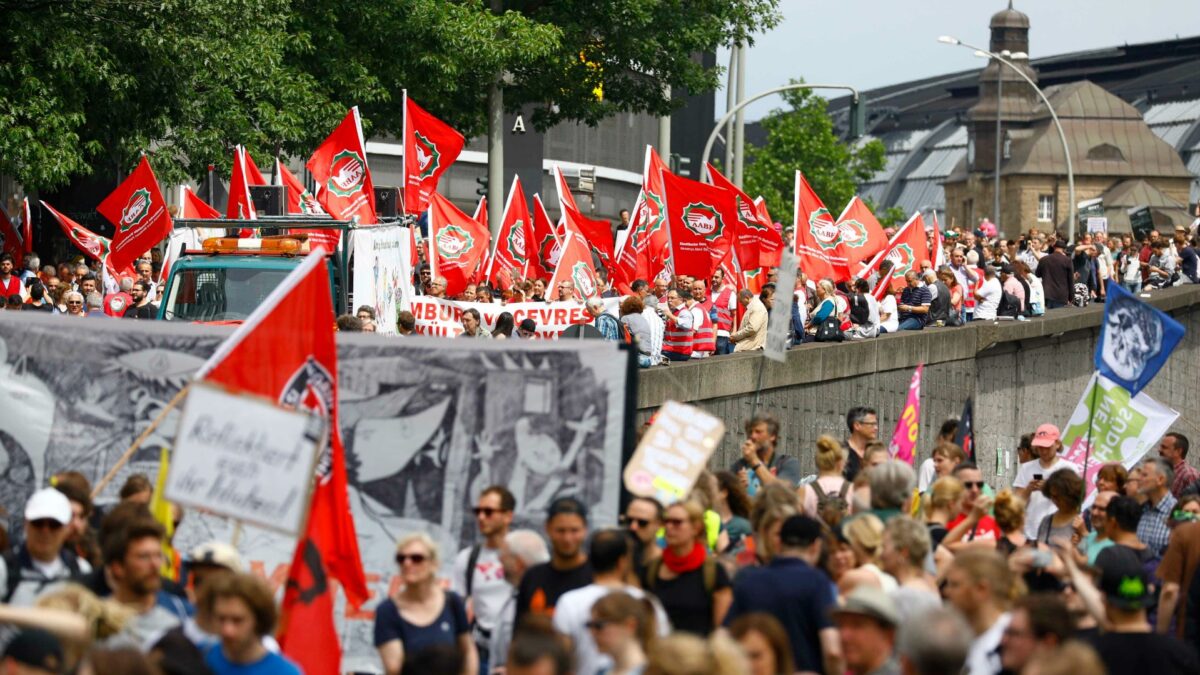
[{"x": 1062, "y": 136}]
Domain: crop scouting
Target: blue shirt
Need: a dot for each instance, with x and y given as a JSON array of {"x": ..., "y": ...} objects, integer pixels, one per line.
[
  {"x": 271, "y": 664},
  {"x": 797, "y": 595},
  {"x": 915, "y": 297},
  {"x": 444, "y": 630}
]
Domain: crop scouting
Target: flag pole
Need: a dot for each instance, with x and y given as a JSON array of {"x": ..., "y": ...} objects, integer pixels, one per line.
[{"x": 137, "y": 443}]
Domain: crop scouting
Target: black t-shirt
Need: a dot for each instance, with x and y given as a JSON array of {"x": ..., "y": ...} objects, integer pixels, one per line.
[
  {"x": 44, "y": 307},
  {"x": 688, "y": 606},
  {"x": 854, "y": 463},
  {"x": 147, "y": 311},
  {"x": 1145, "y": 653},
  {"x": 1057, "y": 275},
  {"x": 543, "y": 585}
]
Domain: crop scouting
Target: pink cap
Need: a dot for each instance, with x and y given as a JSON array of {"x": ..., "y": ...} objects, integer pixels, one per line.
[{"x": 1045, "y": 436}]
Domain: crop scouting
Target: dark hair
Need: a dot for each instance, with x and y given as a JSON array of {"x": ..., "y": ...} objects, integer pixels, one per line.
[
  {"x": 638, "y": 285},
  {"x": 763, "y": 418},
  {"x": 1125, "y": 512},
  {"x": 115, "y": 545},
  {"x": 857, "y": 414},
  {"x": 473, "y": 312},
  {"x": 607, "y": 548},
  {"x": 566, "y": 505},
  {"x": 250, "y": 590},
  {"x": 7, "y": 257},
  {"x": 684, "y": 294},
  {"x": 135, "y": 484},
  {"x": 534, "y": 640},
  {"x": 769, "y": 627},
  {"x": 124, "y": 660},
  {"x": 143, "y": 284},
  {"x": 348, "y": 323},
  {"x": 37, "y": 291},
  {"x": 443, "y": 658},
  {"x": 949, "y": 428},
  {"x": 632, "y": 305},
  {"x": 659, "y": 509},
  {"x": 504, "y": 325},
  {"x": 406, "y": 320},
  {"x": 1066, "y": 485},
  {"x": 366, "y": 308},
  {"x": 1181, "y": 442},
  {"x": 1026, "y": 442},
  {"x": 507, "y": 501},
  {"x": 739, "y": 501},
  {"x": 1048, "y": 613},
  {"x": 862, "y": 286},
  {"x": 76, "y": 488},
  {"x": 965, "y": 466}
]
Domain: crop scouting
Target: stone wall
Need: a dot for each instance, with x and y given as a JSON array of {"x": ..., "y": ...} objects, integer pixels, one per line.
[{"x": 1020, "y": 374}]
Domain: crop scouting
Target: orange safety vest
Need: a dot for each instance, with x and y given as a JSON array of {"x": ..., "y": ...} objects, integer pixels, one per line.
[
  {"x": 724, "y": 315},
  {"x": 676, "y": 339},
  {"x": 704, "y": 337}
]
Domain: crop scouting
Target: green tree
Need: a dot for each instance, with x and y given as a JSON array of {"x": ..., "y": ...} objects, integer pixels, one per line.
[{"x": 802, "y": 137}]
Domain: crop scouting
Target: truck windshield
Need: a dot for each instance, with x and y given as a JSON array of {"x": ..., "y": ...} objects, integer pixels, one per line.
[{"x": 220, "y": 294}]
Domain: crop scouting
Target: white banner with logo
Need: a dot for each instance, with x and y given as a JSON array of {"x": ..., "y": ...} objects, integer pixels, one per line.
[
  {"x": 382, "y": 273},
  {"x": 436, "y": 316}
]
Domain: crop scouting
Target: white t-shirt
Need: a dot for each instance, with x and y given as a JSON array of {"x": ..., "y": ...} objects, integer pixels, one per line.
[
  {"x": 926, "y": 475},
  {"x": 984, "y": 658},
  {"x": 987, "y": 299},
  {"x": 574, "y": 609},
  {"x": 888, "y": 306},
  {"x": 872, "y": 310},
  {"x": 489, "y": 590},
  {"x": 1039, "y": 506}
]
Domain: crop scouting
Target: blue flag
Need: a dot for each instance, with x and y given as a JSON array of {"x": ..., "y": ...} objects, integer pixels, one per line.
[{"x": 1135, "y": 340}]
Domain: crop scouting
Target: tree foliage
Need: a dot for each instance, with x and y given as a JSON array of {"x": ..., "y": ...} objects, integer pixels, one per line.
[
  {"x": 802, "y": 137},
  {"x": 85, "y": 85}
]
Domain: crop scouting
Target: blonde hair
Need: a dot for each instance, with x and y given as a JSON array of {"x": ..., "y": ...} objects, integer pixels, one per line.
[
  {"x": 686, "y": 654},
  {"x": 945, "y": 492},
  {"x": 989, "y": 567},
  {"x": 950, "y": 451},
  {"x": 1009, "y": 511},
  {"x": 704, "y": 492},
  {"x": 621, "y": 606},
  {"x": 829, "y": 453},
  {"x": 865, "y": 532},
  {"x": 423, "y": 539},
  {"x": 105, "y": 618},
  {"x": 695, "y": 512},
  {"x": 827, "y": 286}
]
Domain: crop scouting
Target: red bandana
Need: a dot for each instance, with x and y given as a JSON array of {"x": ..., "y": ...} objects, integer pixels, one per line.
[{"x": 680, "y": 564}]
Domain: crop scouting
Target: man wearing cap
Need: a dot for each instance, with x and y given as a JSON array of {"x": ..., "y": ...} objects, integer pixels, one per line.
[
  {"x": 527, "y": 329},
  {"x": 1012, "y": 285},
  {"x": 33, "y": 651},
  {"x": 568, "y": 568},
  {"x": 1033, "y": 474},
  {"x": 792, "y": 590},
  {"x": 42, "y": 559},
  {"x": 208, "y": 561},
  {"x": 866, "y": 625},
  {"x": 1129, "y": 645}
]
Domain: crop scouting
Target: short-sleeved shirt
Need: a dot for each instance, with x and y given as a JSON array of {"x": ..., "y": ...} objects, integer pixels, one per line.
[
  {"x": 542, "y": 586},
  {"x": 781, "y": 466},
  {"x": 796, "y": 594},
  {"x": 488, "y": 586},
  {"x": 1152, "y": 529},
  {"x": 1057, "y": 275},
  {"x": 270, "y": 664},
  {"x": 986, "y": 528},
  {"x": 443, "y": 630},
  {"x": 1038, "y": 506},
  {"x": 688, "y": 605},
  {"x": 1179, "y": 564},
  {"x": 1138, "y": 653},
  {"x": 915, "y": 297}
]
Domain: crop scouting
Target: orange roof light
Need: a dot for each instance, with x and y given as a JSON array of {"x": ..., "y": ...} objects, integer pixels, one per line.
[{"x": 272, "y": 246}]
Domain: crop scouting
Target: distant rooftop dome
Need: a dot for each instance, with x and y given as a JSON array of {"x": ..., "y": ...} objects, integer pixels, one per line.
[
  {"x": 1009, "y": 18},
  {"x": 1086, "y": 99}
]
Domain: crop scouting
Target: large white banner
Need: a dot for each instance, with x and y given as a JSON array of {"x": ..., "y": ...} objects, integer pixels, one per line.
[
  {"x": 443, "y": 318},
  {"x": 382, "y": 273}
]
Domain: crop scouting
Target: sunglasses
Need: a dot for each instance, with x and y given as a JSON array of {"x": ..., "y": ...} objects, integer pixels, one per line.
[
  {"x": 46, "y": 524},
  {"x": 632, "y": 522},
  {"x": 487, "y": 511},
  {"x": 74, "y": 302},
  {"x": 973, "y": 484},
  {"x": 596, "y": 624},
  {"x": 674, "y": 522},
  {"x": 414, "y": 558}
]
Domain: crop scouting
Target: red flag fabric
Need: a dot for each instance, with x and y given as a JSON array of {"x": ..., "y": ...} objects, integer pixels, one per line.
[
  {"x": 565, "y": 198},
  {"x": 938, "y": 252},
  {"x": 302, "y": 202},
  {"x": 94, "y": 245},
  {"x": 627, "y": 257},
  {"x": 701, "y": 219},
  {"x": 241, "y": 178},
  {"x": 512, "y": 252},
  {"x": 192, "y": 207},
  {"x": 27, "y": 225},
  {"x": 547, "y": 247},
  {"x": 286, "y": 351},
  {"x": 139, "y": 213},
  {"x": 907, "y": 250},
  {"x": 457, "y": 244},
  {"x": 597, "y": 235},
  {"x": 480, "y": 216},
  {"x": 430, "y": 147},
  {"x": 655, "y": 256},
  {"x": 757, "y": 244},
  {"x": 12, "y": 240},
  {"x": 859, "y": 236},
  {"x": 575, "y": 265},
  {"x": 339, "y": 167},
  {"x": 816, "y": 259}
]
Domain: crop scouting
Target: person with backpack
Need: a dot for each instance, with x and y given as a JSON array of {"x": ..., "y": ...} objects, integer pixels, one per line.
[
  {"x": 478, "y": 571},
  {"x": 828, "y": 498},
  {"x": 606, "y": 323},
  {"x": 692, "y": 586},
  {"x": 42, "y": 559}
]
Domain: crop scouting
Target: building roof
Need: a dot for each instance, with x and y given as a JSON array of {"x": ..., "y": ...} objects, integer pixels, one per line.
[
  {"x": 1009, "y": 18},
  {"x": 1134, "y": 193}
]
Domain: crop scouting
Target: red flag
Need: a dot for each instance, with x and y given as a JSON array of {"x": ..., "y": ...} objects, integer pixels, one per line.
[
  {"x": 286, "y": 351},
  {"x": 655, "y": 256},
  {"x": 700, "y": 219},
  {"x": 575, "y": 265},
  {"x": 480, "y": 216},
  {"x": 192, "y": 207},
  {"x": 512, "y": 252},
  {"x": 938, "y": 254},
  {"x": 547, "y": 247},
  {"x": 859, "y": 236},
  {"x": 139, "y": 213},
  {"x": 27, "y": 225},
  {"x": 94, "y": 245},
  {"x": 816, "y": 259},
  {"x": 430, "y": 147},
  {"x": 907, "y": 250},
  {"x": 457, "y": 244},
  {"x": 302, "y": 202},
  {"x": 635, "y": 241},
  {"x": 339, "y": 167},
  {"x": 757, "y": 243},
  {"x": 565, "y": 198},
  {"x": 11, "y": 239},
  {"x": 245, "y": 173}
]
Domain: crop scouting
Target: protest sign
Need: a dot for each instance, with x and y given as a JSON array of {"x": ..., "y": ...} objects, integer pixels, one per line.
[
  {"x": 1124, "y": 428},
  {"x": 673, "y": 452},
  {"x": 436, "y": 316},
  {"x": 382, "y": 273},
  {"x": 779, "y": 324},
  {"x": 244, "y": 457}
]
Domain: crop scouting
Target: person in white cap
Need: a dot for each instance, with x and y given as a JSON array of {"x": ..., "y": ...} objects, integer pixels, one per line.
[{"x": 41, "y": 560}]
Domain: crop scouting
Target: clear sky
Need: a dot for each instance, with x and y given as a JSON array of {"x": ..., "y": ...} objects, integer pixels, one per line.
[{"x": 871, "y": 43}]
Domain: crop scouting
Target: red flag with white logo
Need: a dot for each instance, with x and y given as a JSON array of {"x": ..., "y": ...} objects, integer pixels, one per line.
[
  {"x": 514, "y": 242},
  {"x": 547, "y": 246},
  {"x": 301, "y": 202},
  {"x": 430, "y": 147},
  {"x": 700, "y": 219},
  {"x": 575, "y": 265},
  {"x": 339, "y": 168},
  {"x": 13, "y": 239},
  {"x": 480, "y": 216},
  {"x": 97, "y": 247},
  {"x": 139, "y": 213},
  {"x": 457, "y": 244},
  {"x": 757, "y": 243},
  {"x": 906, "y": 250},
  {"x": 816, "y": 253},
  {"x": 245, "y": 173},
  {"x": 859, "y": 236},
  {"x": 286, "y": 352},
  {"x": 654, "y": 258}
]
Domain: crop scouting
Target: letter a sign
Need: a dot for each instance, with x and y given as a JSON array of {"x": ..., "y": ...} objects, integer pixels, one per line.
[{"x": 519, "y": 125}]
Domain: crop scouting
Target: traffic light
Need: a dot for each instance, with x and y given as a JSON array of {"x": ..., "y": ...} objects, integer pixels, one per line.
[
  {"x": 482, "y": 190},
  {"x": 858, "y": 117}
]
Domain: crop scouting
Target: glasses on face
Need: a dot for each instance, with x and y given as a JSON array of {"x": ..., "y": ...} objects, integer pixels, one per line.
[
  {"x": 486, "y": 511},
  {"x": 45, "y": 524},
  {"x": 973, "y": 484},
  {"x": 74, "y": 302},
  {"x": 635, "y": 522},
  {"x": 865, "y": 423},
  {"x": 414, "y": 558},
  {"x": 595, "y": 624},
  {"x": 674, "y": 522}
]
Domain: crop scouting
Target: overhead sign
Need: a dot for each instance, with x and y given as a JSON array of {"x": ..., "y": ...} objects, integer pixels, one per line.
[
  {"x": 779, "y": 325},
  {"x": 673, "y": 452},
  {"x": 245, "y": 458},
  {"x": 1097, "y": 224}
]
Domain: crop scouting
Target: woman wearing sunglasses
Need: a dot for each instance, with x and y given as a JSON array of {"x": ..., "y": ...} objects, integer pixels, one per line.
[
  {"x": 421, "y": 615},
  {"x": 692, "y": 587}
]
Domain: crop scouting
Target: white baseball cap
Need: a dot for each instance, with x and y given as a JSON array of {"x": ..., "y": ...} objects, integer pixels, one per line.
[
  {"x": 218, "y": 554},
  {"x": 48, "y": 503}
]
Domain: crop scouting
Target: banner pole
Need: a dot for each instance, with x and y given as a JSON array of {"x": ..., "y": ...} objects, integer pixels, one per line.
[
  {"x": 137, "y": 443},
  {"x": 1088, "y": 442}
]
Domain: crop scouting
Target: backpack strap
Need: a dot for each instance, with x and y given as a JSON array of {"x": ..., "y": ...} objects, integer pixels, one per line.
[
  {"x": 816, "y": 486},
  {"x": 844, "y": 489},
  {"x": 652, "y": 569},
  {"x": 470, "y": 573},
  {"x": 710, "y": 576}
]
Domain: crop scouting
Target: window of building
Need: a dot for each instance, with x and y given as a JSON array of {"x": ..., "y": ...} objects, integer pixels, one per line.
[{"x": 1045, "y": 208}]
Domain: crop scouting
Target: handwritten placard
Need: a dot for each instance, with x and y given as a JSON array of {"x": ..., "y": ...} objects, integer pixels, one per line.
[
  {"x": 245, "y": 458},
  {"x": 673, "y": 452}
]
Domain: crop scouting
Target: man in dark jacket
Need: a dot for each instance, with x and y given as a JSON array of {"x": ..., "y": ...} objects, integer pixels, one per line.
[{"x": 1058, "y": 277}]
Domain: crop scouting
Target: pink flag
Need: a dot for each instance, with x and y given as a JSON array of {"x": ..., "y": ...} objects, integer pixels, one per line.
[{"x": 904, "y": 438}]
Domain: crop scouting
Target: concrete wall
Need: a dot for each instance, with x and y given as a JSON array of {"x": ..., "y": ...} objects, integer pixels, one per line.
[{"x": 1020, "y": 374}]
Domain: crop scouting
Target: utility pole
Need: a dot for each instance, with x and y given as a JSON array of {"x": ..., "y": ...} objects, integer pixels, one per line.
[
  {"x": 730, "y": 102},
  {"x": 739, "y": 130},
  {"x": 664, "y": 128},
  {"x": 495, "y": 168},
  {"x": 996, "y": 186}
]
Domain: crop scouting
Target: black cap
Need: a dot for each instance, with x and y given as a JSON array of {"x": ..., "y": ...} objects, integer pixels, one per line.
[
  {"x": 568, "y": 505},
  {"x": 528, "y": 325},
  {"x": 799, "y": 531},
  {"x": 1123, "y": 580},
  {"x": 1007, "y": 268},
  {"x": 36, "y": 648}
]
